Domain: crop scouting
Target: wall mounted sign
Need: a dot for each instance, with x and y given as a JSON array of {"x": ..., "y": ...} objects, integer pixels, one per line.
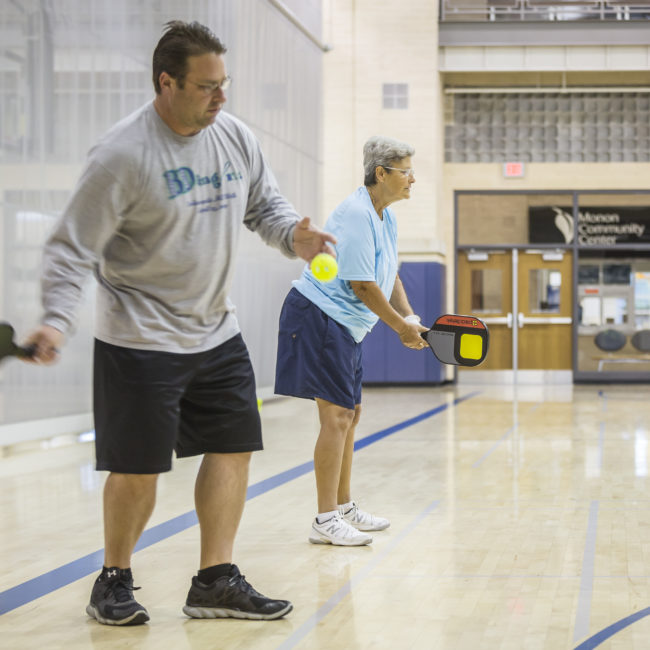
[{"x": 597, "y": 226}]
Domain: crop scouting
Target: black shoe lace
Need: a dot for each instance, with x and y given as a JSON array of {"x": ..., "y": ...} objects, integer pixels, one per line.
[
  {"x": 123, "y": 591},
  {"x": 244, "y": 585}
]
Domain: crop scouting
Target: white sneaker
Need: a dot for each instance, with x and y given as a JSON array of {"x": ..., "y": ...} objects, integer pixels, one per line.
[
  {"x": 338, "y": 532},
  {"x": 363, "y": 520}
]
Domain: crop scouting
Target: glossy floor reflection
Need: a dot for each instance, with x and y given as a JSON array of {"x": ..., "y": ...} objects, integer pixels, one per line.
[{"x": 520, "y": 519}]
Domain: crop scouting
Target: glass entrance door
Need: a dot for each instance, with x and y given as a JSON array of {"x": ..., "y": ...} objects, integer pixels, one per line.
[
  {"x": 544, "y": 310},
  {"x": 525, "y": 298},
  {"x": 485, "y": 290}
]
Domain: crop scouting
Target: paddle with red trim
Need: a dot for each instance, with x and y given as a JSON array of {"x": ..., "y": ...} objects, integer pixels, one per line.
[{"x": 458, "y": 340}]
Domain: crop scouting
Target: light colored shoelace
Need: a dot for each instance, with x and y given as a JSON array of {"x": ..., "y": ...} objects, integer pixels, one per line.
[
  {"x": 360, "y": 516},
  {"x": 337, "y": 524}
]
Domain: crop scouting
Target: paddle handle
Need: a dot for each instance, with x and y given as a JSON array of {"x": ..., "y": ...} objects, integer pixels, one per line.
[{"x": 26, "y": 350}]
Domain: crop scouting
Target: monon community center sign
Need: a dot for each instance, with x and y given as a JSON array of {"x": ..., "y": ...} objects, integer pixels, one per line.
[{"x": 597, "y": 226}]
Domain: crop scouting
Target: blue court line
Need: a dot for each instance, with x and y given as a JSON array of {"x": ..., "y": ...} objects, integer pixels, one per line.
[
  {"x": 66, "y": 574},
  {"x": 373, "y": 437},
  {"x": 611, "y": 630}
]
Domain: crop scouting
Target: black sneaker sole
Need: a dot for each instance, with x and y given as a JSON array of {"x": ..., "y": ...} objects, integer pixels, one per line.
[
  {"x": 222, "y": 612},
  {"x": 137, "y": 618}
]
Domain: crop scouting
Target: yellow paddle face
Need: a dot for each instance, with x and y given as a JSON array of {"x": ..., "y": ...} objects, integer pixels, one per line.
[{"x": 471, "y": 346}]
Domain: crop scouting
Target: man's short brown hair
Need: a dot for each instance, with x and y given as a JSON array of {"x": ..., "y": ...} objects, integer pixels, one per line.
[{"x": 180, "y": 41}]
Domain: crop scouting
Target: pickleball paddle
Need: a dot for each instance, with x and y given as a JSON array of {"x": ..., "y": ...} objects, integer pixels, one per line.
[
  {"x": 8, "y": 347},
  {"x": 458, "y": 340}
]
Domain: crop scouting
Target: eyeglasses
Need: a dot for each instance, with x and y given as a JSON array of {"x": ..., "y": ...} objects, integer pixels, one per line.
[
  {"x": 405, "y": 172},
  {"x": 210, "y": 89}
]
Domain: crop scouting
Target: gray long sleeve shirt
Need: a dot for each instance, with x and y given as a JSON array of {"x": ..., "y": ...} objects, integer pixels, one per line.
[{"x": 157, "y": 216}]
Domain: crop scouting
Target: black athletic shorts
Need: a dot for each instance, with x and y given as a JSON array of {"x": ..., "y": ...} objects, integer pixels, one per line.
[{"x": 148, "y": 404}]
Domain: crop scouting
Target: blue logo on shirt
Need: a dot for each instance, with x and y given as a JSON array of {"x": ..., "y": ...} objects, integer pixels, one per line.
[{"x": 182, "y": 180}]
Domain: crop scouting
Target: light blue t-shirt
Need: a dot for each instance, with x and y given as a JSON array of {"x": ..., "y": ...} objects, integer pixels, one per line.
[{"x": 367, "y": 251}]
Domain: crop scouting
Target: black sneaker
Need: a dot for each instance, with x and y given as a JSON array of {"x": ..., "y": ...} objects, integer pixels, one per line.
[
  {"x": 231, "y": 596},
  {"x": 112, "y": 602}
]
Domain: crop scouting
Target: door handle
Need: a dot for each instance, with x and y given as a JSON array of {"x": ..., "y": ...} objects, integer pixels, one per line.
[
  {"x": 540, "y": 320},
  {"x": 499, "y": 320}
]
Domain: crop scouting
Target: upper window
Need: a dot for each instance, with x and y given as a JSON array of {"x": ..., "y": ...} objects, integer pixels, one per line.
[
  {"x": 396, "y": 95},
  {"x": 547, "y": 127}
]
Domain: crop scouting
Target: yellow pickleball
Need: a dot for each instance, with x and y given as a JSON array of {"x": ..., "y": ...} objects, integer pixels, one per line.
[{"x": 324, "y": 267}]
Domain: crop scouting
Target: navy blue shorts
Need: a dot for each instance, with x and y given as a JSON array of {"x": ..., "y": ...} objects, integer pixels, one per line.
[
  {"x": 317, "y": 357},
  {"x": 148, "y": 404}
]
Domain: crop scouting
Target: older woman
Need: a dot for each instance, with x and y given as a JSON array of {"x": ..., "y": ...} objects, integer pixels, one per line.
[{"x": 322, "y": 326}]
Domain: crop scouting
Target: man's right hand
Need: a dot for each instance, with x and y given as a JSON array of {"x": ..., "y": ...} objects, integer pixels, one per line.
[{"x": 48, "y": 341}]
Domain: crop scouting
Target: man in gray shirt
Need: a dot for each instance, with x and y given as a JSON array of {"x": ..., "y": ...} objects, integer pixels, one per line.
[{"x": 156, "y": 215}]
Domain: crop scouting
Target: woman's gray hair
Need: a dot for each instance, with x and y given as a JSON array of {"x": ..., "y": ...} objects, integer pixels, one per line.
[{"x": 380, "y": 151}]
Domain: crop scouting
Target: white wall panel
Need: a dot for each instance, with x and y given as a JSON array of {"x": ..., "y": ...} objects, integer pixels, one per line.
[
  {"x": 377, "y": 42},
  {"x": 504, "y": 58},
  {"x": 462, "y": 58},
  {"x": 586, "y": 58},
  {"x": 628, "y": 58},
  {"x": 72, "y": 68},
  {"x": 537, "y": 58},
  {"x": 542, "y": 58}
]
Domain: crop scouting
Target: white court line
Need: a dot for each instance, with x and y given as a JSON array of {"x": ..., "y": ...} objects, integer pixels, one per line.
[
  {"x": 583, "y": 613},
  {"x": 601, "y": 446},
  {"x": 325, "y": 609}
]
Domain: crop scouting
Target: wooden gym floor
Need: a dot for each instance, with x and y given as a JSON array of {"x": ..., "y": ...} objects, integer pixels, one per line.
[{"x": 520, "y": 520}]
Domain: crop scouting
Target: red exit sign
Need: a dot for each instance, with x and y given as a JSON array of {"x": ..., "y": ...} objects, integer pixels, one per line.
[{"x": 513, "y": 169}]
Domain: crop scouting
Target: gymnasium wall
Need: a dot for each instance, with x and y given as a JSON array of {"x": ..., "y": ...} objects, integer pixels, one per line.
[
  {"x": 378, "y": 45},
  {"x": 68, "y": 71}
]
